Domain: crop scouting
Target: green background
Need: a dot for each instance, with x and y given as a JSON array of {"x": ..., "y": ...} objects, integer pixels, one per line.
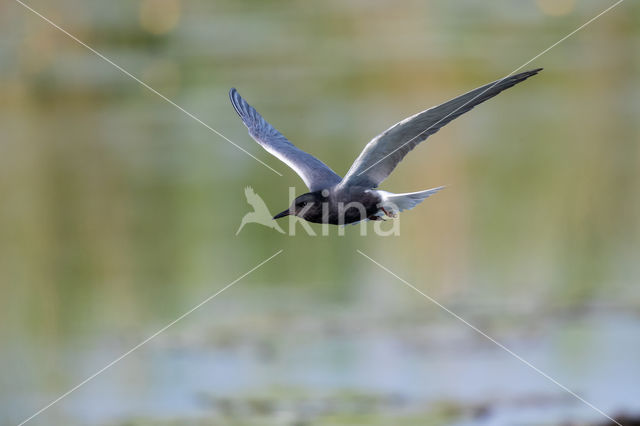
[{"x": 118, "y": 213}]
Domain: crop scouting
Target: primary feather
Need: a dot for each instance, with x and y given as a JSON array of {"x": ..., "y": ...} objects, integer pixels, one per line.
[
  {"x": 385, "y": 151},
  {"x": 315, "y": 174}
]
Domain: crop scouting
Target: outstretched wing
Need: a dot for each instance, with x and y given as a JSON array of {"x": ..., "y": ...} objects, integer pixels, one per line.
[
  {"x": 315, "y": 174},
  {"x": 385, "y": 151}
]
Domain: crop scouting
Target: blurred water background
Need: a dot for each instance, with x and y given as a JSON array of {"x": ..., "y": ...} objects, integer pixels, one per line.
[{"x": 119, "y": 212}]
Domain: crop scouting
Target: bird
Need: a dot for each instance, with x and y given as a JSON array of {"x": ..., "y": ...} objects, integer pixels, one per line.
[
  {"x": 339, "y": 201},
  {"x": 260, "y": 213}
]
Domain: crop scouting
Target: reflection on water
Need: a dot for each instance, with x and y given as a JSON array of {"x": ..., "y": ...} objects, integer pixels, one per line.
[
  {"x": 243, "y": 360},
  {"x": 118, "y": 213}
]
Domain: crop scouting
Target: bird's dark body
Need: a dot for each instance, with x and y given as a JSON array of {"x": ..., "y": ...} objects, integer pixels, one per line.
[
  {"x": 342, "y": 200},
  {"x": 338, "y": 206}
]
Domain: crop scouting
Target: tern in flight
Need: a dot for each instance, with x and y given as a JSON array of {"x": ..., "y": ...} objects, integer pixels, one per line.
[{"x": 339, "y": 201}]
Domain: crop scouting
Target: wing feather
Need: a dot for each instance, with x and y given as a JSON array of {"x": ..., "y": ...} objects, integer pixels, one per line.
[
  {"x": 381, "y": 156},
  {"x": 315, "y": 174}
]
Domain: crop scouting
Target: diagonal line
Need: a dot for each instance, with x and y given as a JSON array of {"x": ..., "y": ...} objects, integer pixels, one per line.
[
  {"x": 498, "y": 81},
  {"x": 500, "y": 345},
  {"x": 64, "y": 395},
  {"x": 145, "y": 85}
]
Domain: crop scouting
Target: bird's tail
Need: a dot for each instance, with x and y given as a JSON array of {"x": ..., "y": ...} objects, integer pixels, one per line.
[{"x": 395, "y": 203}]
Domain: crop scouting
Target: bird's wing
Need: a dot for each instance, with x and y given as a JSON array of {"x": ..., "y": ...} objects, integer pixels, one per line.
[
  {"x": 255, "y": 200},
  {"x": 385, "y": 151},
  {"x": 315, "y": 174}
]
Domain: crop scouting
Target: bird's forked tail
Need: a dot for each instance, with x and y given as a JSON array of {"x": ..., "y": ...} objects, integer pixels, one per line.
[{"x": 395, "y": 203}]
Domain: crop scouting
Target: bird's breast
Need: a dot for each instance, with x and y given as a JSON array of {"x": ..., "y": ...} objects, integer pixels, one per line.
[{"x": 352, "y": 205}]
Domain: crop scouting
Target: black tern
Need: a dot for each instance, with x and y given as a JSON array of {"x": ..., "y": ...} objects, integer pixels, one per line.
[{"x": 354, "y": 198}]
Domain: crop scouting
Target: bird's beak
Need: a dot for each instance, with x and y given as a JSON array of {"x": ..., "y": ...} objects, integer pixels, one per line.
[{"x": 283, "y": 214}]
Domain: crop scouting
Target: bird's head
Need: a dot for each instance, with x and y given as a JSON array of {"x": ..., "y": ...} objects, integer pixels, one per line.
[{"x": 307, "y": 206}]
